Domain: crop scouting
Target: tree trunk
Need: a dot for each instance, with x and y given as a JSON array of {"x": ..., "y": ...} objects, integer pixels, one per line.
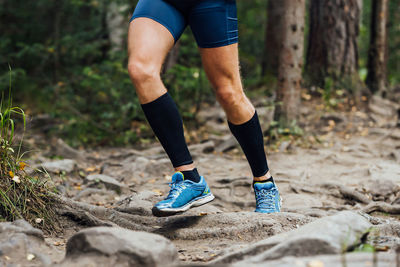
[
  {"x": 116, "y": 25},
  {"x": 378, "y": 50},
  {"x": 332, "y": 47},
  {"x": 290, "y": 60},
  {"x": 273, "y": 38}
]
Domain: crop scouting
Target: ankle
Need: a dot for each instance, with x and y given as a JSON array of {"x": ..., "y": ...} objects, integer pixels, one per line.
[
  {"x": 187, "y": 167},
  {"x": 271, "y": 179},
  {"x": 263, "y": 178}
]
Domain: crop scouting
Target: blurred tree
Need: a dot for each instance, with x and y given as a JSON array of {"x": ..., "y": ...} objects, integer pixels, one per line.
[
  {"x": 116, "y": 25},
  {"x": 332, "y": 45},
  {"x": 394, "y": 42},
  {"x": 378, "y": 50},
  {"x": 273, "y": 38},
  {"x": 290, "y": 61},
  {"x": 172, "y": 58}
]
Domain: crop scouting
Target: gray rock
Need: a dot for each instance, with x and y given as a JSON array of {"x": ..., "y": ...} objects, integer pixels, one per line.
[
  {"x": 227, "y": 144},
  {"x": 20, "y": 226},
  {"x": 359, "y": 259},
  {"x": 383, "y": 111},
  {"x": 140, "y": 163},
  {"x": 109, "y": 246},
  {"x": 60, "y": 148},
  {"x": 266, "y": 115},
  {"x": 139, "y": 204},
  {"x": 109, "y": 182},
  {"x": 382, "y": 189},
  {"x": 20, "y": 241},
  {"x": 65, "y": 165},
  {"x": 329, "y": 235}
]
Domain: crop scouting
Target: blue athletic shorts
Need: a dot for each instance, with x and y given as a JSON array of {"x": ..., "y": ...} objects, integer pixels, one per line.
[{"x": 213, "y": 22}]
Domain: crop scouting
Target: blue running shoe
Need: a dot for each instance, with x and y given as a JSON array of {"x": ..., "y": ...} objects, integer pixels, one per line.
[
  {"x": 268, "y": 199},
  {"x": 183, "y": 195}
]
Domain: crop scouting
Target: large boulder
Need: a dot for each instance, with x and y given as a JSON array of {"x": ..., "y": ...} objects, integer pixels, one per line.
[
  {"x": 113, "y": 246},
  {"x": 329, "y": 235}
]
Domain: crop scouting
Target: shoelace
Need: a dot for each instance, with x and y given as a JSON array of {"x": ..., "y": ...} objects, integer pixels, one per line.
[
  {"x": 266, "y": 198},
  {"x": 176, "y": 189}
]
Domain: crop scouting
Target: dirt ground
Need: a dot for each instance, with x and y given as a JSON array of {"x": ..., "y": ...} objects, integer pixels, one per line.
[{"x": 345, "y": 161}]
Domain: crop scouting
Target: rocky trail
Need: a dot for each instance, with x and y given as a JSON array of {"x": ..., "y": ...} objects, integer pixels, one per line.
[{"x": 341, "y": 198}]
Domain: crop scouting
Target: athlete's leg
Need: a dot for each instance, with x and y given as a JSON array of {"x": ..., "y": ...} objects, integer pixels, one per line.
[
  {"x": 148, "y": 45},
  {"x": 222, "y": 68}
]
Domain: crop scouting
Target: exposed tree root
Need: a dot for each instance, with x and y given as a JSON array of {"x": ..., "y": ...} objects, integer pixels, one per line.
[
  {"x": 382, "y": 207},
  {"x": 347, "y": 192},
  {"x": 94, "y": 215}
]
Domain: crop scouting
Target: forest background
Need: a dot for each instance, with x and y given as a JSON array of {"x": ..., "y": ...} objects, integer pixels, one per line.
[{"x": 68, "y": 60}]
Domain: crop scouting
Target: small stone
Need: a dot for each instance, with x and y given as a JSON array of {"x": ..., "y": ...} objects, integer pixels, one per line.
[
  {"x": 16, "y": 179},
  {"x": 30, "y": 257},
  {"x": 38, "y": 220}
]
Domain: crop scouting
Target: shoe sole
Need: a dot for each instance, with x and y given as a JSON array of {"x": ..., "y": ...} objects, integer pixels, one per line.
[{"x": 172, "y": 211}]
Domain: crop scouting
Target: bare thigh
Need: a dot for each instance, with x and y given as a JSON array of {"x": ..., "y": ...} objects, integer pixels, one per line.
[{"x": 148, "y": 44}]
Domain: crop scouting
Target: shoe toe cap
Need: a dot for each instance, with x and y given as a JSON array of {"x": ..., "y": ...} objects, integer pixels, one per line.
[{"x": 162, "y": 205}]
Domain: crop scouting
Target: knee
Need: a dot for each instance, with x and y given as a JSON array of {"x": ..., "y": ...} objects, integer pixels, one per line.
[
  {"x": 228, "y": 96},
  {"x": 142, "y": 72}
]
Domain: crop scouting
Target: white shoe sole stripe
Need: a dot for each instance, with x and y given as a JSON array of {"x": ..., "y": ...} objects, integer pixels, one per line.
[{"x": 195, "y": 203}]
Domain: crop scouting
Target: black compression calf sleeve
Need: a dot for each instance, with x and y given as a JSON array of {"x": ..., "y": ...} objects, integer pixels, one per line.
[
  {"x": 166, "y": 122},
  {"x": 250, "y": 138}
]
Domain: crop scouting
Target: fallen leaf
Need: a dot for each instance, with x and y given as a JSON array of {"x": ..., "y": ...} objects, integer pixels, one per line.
[
  {"x": 158, "y": 192},
  {"x": 364, "y": 132},
  {"x": 306, "y": 96},
  {"x": 90, "y": 169},
  {"x": 22, "y": 165}
]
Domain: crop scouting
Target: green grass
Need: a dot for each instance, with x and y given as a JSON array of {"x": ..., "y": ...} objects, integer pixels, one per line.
[{"x": 21, "y": 196}]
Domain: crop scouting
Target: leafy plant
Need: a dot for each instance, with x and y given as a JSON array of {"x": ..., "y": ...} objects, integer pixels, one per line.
[{"x": 21, "y": 196}]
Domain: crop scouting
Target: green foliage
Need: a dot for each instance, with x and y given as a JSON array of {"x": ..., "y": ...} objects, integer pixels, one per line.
[
  {"x": 100, "y": 104},
  {"x": 21, "y": 196},
  {"x": 64, "y": 65},
  {"x": 280, "y": 129}
]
